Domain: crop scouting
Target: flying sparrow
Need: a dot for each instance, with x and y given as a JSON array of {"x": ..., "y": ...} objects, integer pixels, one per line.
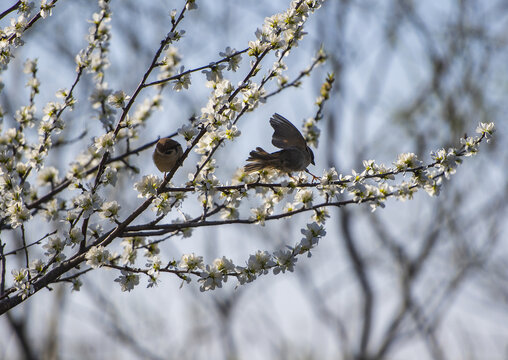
[
  {"x": 294, "y": 156},
  {"x": 166, "y": 154}
]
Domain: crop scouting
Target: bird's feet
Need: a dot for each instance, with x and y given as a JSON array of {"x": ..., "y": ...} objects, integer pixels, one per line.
[{"x": 314, "y": 177}]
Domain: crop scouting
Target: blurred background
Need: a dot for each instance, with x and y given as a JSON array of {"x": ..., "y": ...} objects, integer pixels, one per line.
[{"x": 421, "y": 279}]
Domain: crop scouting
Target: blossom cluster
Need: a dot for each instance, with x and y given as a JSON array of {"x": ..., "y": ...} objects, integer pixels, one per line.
[
  {"x": 19, "y": 158},
  {"x": 283, "y": 30},
  {"x": 373, "y": 186},
  {"x": 311, "y": 131},
  {"x": 211, "y": 276},
  {"x": 279, "y": 33},
  {"x": 11, "y": 36},
  {"x": 22, "y": 159},
  {"x": 82, "y": 216}
]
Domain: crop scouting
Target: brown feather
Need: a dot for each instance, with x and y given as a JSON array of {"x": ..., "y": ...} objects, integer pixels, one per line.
[{"x": 285, "y": 134}]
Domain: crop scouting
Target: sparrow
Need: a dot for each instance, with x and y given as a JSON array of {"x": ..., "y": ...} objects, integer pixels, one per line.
[
  {"x": 294, "y": 156},
  {"x": 166, "y": 154}
]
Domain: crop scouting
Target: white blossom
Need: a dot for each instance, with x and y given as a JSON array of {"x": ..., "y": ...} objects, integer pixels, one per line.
[
  {"x": 54, "y": 248},
  {"x": 433, "y": 188},
  {"x": 130, "y": 249},
  {"x": 109, "y": 210},
  {"x": 285, "y": 260},
  {"x": 311, "y": 238},
  {"x": 259, "y": 215},
  {"x": 470, "y": 146},
  {"x": 174, "y": 36},
  {"x": 127, "y": 280},
  {"x": 26, "y": 116},
  {"x": 36, "y": 267},
  {"x": 329, "y": 176},
  {"x": 183, "y": 81},
  {"x": 147, "y": 186},
  {"x": 245, "y": 275},
  {"x": 252, "y": 97},
  {"x": 154, "y": 263},
  {"x": 320, "y": 215},
  {"x": 74, "y": 237},
  {"x": 110, "y": 176},
  {"x": 53, "y": 208},
  {"x": 17, "y": 213},
  {"x": 46, "y": 9},
  {"x": 260, "y": 262},
  {"x": 21, "y": 282},
  {"x": 47, "y": 176},
  {"x": 190, "y": 262},
  {"x": 224, "y": 265},
  {"x": 100, "y": 96},
  {"x": 214, "y": 72},
  {"x": 76, "y": 284},
  {"x": 104, "y": 143},
  {"x": 188, "y": 132},
  {"x": 97, "y": 256},
  {"x": 230, "y": 132},
  {"x": 30, "y": 66},
  {"x": 234, "y": 61},
  {"x": 407, "y": 161},
  {"x": 229, "y": 213},
  {"x": 211, "y": 278},
  {"x": 89, "y": 202},
  {"x": 486, "y": 128},
  {"x": 151, "y": 250},
  {"x": 118, "y": 99},
  {"x": 305, "y": 198},
  {"x": 405, "y": 191}
]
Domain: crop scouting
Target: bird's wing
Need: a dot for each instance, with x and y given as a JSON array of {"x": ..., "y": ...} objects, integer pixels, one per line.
[{"x": 285, "y": 134}]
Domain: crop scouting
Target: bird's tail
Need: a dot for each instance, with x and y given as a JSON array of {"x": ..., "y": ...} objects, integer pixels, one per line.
[{"x": 259, "y": 160}]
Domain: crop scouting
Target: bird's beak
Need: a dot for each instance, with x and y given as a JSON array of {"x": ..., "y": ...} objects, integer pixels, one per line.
[{"x": 312, "y": 162}]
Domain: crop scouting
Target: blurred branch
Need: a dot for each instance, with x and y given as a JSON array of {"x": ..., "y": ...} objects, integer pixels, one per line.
[
  {"x": 408, "y": 271},
  {"x": 361, "y": 273},
  {"x": 427, "y": 331},
  {"x": 19, "y": 329},
  {"x": 317, "y": 298},
  {"x": 62, "y": 141},
  {"x": 121, "y": 332}
]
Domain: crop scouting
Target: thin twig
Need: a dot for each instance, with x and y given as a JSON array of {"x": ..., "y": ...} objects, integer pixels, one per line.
[
  {"x": 24, "y": 245},
  {"x": 9, "y": 10},
  {"x": 178, "y": 76},
  {"x": 2, "y": 270},
  {"x": 30, "y": 245},
  {"x": 31, "y": 22}
]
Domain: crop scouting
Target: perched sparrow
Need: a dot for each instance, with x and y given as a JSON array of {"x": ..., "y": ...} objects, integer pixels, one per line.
[
  {"x": 166, "y": 154},
  {"x": 294, "y": 156}
]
